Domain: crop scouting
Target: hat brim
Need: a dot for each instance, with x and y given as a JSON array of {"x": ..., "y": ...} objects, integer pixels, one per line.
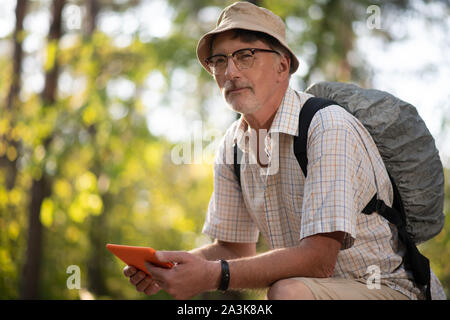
[{"x": 204, "y": 44}]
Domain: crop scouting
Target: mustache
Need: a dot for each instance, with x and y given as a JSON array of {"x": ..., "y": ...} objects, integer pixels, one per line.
[{"x": 231, "y": 85}]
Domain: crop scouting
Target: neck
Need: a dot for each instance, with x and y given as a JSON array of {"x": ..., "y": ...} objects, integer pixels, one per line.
[{"x": 263, "y": 118}]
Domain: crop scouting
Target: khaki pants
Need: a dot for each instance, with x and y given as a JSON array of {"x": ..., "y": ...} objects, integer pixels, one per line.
[{"x": 346, "y": 289}]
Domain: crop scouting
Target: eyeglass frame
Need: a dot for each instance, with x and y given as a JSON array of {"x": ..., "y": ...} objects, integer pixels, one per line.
[{"x": 232, "y": 55}]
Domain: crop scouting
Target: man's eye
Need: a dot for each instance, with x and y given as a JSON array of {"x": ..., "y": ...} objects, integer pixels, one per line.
[{"x": 218, "y": 60}]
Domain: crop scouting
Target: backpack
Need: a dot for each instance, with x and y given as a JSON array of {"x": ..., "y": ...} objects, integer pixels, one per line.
[{"x": 409, "y": 153}]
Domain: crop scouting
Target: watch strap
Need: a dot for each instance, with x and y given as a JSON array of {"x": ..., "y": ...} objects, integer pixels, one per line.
[{"x": 225, "y": 277}]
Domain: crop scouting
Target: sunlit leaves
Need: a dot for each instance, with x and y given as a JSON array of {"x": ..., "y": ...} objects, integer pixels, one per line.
[
  {"x": 6, "y": 263},
  {"x": 4, "y": 124},
  {"x": 52, "y": 48},
  {"x": 86, "y": 182},
  {"x": 13, "y": 230},
  {"x": 84, "y": 204},
  {"x": 62, "y": 189},
  {"x": 3, "y": 198},
  {"x": 72, "y": 234},
  {"x": 175, "y": 218},
  {"x": 91, "y": 114},
  {"x": 47, "y": 210},
  {"x": 11, "y": 153},
  {"x": 153, "y": 155}
]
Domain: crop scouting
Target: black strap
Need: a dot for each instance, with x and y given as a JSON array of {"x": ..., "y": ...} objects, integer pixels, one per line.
[
  {"x": 309, "y": 109},
  {"x": 414, "y": 260},
  {"x": 225, "y": 275},
  {"x": 237, "y": 163}
]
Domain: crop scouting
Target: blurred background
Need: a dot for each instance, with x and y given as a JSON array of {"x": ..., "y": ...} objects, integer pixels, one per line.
[{"x": 96, "y": 95}]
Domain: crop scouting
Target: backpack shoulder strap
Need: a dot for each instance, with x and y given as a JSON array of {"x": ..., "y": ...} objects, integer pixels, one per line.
[
  {"x": 415, "y": 261},
  {"x": 237, "y": 163},
  {"x": 309, "y": 109}
]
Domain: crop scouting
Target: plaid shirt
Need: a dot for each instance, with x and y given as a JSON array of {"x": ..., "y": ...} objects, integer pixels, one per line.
[{"x": 345, "y": 170}]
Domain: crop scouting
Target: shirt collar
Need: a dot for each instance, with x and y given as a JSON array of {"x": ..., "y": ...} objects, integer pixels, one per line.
[{"x": 285, "y": 120}]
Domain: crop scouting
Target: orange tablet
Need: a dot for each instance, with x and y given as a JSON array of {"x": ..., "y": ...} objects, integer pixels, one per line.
[{"x": 137, "y": 256}]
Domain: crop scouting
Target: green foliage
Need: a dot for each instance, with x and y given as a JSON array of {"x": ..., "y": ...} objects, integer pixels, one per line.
[
  {"x": 437, "y": 249},
  {"x": 111, "y": 180}
]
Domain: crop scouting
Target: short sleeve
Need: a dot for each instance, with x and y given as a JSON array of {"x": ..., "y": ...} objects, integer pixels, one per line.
[
  {"x": 227, "y": 218},
  {"x": 330, "y": 203}
]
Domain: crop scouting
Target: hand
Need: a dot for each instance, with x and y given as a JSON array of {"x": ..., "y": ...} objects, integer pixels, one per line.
[
  {"x": 189, "y": 276},
  {"x": 141, "y": 280}
]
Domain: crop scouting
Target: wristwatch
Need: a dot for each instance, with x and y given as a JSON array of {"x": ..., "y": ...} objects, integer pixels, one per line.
[{"x": 225, "y": 278}]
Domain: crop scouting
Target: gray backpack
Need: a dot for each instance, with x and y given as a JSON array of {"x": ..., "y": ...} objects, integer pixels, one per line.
[{"x": 407, "y": 148}]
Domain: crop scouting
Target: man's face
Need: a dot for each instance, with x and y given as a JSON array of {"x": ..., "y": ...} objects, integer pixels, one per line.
[{"x": 246, "y": 91}]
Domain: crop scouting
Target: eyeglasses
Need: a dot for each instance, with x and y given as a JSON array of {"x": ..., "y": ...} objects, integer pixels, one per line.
[{"x": 243, "y": 59}]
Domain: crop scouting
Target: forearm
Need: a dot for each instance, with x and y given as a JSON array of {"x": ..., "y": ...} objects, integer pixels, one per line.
[
  {"x": 263, "y": 270},
  {"x": 214, "y": 251},
  {"x": 227, "y": 251}
]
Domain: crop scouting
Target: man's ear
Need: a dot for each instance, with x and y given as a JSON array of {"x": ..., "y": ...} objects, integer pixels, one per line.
[{"x": 284, "y": 66}]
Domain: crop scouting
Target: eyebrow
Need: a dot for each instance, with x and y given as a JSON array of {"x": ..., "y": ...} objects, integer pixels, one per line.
[{"x": 219, "y": 53}]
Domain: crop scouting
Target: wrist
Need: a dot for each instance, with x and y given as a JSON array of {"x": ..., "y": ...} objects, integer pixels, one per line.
[{"x": 215, "y": 275}]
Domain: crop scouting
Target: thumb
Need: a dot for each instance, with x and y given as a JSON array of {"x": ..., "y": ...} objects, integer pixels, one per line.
[{"x": 173, "y": 256}]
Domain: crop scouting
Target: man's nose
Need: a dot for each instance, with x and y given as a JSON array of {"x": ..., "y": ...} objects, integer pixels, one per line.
[{"x": 231, "y": 71}]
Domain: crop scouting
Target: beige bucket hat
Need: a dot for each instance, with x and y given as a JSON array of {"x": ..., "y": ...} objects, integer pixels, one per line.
[{"x": 245, "y": 15}]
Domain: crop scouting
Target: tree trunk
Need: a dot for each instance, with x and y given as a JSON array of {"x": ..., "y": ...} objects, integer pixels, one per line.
[
  {"x": 93, "y": 8},
  {"x": 21, "y": 8},
  {"x": 31, "y": 272},
  {"x": 11, "y": 100},
  {"x": 41, "y": 188}
]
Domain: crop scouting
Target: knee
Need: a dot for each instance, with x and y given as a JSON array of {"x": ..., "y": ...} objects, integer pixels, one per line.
[{"x": 289, "y": 289}]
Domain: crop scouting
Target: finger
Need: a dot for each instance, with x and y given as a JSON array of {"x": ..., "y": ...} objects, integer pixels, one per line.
[
  {"x": 173, "y": 256},
  {"x": 138, "y": 277},
  {"x": 146, "y": 282},
  {"x": 156, "y": 272},
  {"x": 128, "y": 271},
  {"x": 152, "y": 289}
]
